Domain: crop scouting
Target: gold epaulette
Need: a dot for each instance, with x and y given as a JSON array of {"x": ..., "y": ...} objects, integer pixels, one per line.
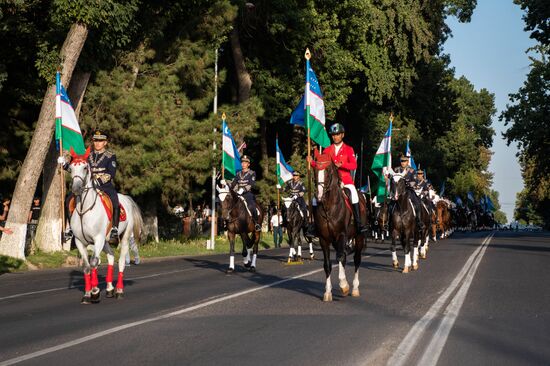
[{"x": 108, "y": 154}]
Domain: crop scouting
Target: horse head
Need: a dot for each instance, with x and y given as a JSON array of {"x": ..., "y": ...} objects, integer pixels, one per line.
[
  {"x": 80, "y": 171},
  {"x": 227, "y": 197},
  {"x": 326, "y": 175},
  {"x": 397, "y": 186}
]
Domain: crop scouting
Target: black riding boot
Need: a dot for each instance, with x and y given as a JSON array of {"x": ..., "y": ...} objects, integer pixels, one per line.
[
  {"x": 113, "y": 239},
  {"x": 68, "y": 234},
  {"x": 357, "y": 217},
  {"x": 257, "y": 226}
]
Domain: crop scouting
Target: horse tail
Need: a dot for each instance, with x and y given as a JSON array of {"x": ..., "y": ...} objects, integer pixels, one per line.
[{"x": 137, "y": 219}]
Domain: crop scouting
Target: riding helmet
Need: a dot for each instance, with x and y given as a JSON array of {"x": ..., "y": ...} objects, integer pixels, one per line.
[
  {"x": 99, "y": 136},
  {"x": 337, "y": 128}
]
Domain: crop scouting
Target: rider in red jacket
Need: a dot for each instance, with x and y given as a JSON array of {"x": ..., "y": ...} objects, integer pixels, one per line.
[{"x": 343, "y": 157}]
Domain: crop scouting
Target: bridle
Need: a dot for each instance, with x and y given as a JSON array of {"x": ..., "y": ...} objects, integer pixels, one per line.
[{"x": 81, "y": 197}]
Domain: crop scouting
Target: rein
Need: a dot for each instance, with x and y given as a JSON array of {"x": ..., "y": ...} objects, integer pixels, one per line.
[{"x": 81, "y": 197}]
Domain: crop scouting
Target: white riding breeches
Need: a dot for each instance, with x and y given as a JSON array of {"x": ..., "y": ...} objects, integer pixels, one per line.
[{"x": 354, "y": 195}]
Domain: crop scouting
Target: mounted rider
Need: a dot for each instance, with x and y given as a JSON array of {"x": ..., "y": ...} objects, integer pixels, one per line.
[
  {"x": 343, "y": 157},
  {"x": 243, "y": 183},
  {"x": 296, "y": 189},
  {"x": 409, "y": 175},
  {"x": 103, "y": 167},
  {"x": 422, "y": 185}
]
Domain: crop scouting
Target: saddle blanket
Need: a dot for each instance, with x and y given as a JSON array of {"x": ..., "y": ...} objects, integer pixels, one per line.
[{"x": 107, "y": 205}]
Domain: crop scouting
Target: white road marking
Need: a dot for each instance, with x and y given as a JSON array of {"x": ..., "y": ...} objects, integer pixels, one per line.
[
  {"x": 409, "y": 343},
  {"x": 435, "y": 347},
  {"x": 185, "y": 310}
]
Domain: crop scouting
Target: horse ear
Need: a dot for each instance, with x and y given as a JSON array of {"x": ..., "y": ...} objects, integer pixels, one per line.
[
  {"x": 73, "y": 154},
  {"x": 87, "y": 153}
]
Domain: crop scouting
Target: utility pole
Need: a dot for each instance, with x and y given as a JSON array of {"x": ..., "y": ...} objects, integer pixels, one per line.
[{"x": 213, "y": 224}]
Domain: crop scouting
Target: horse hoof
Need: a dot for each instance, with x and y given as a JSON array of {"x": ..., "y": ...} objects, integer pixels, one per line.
[
  {"x": 311, "y": 257},
  {"x": 95, "y": 296},
  {"x": 415, "y": 267},
  {"x": 229, "y": 271},
  {"x": 298, "y": 258},
  {"x": 110, "y": 293},
  {"x": 355, "y": 293},
  {"x": 395, "y": 264},
  {"x": 327, "y": 297},
  {"x": 119, "y": 295},
  {"x": 86, "y": 299},
  {"x": 422, "y": 256},
  {"x": 248, "y": 264},
  {"x": 345, "y": 290},
  {"x": 405, "y": 270},
  {"x": 289, "y": 260},
  {"x": 252, "y": 269}
]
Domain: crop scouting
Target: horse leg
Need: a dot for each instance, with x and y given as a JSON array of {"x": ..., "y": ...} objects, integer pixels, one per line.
[
  {"x": 124, "y": 247},
  {"x": 86, "y": 298},
  {"x": 405, "y": 242},
  {"x": 359, "y": 244},
  {"x": 246, "y": 241},
  {"x": 255, "y": 251},
  {"x": 394, "y": 260},
  {"x": 109, "y": 278},
  {"x": 328, "y": 268},
  {"x": 231, "y": 237},
  {"x": 291, "y": 250},
  {"x": 341, "y": 258}
]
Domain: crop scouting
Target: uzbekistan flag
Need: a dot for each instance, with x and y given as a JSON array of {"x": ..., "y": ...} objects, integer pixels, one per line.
[
  {"x": 67, "y": 129},
  {"x": 409, "y": 155},
  {"x": 284, "y": 171},
  {"x": 381, "y": 164},
  {"x": 310, "y": 112},
  {"x": 231, "y": 160}
]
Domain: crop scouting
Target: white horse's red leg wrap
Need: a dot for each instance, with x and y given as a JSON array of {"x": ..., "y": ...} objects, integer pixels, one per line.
[
  {"x": 120, "y": 281},
  {"x": 87, "y": 282},
  {"x": 94, "y": 282},
  {"x": 109, "y": 277}
]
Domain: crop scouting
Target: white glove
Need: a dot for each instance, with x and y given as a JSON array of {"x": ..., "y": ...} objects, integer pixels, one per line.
[
  {"x": 240, "y": 191},
  {"x": 61, "y": 160},
  {"x": 223, "y": 182},
  {"x": 294, "y": 196}
]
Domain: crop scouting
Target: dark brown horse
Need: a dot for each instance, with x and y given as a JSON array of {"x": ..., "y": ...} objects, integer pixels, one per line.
[
  {"x": 239, "y": 221},
  {"x": 402, "y": 223},
  {"x": 335, "y": 226}
]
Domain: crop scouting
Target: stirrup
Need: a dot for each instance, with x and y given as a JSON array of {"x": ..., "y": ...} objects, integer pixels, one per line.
[
  {"x": 68, "y": 235},
  {"x": 257, "y": 227},
  {"x": 113, "y": 239}
]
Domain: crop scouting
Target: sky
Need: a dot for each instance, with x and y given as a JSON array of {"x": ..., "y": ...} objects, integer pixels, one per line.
[{"x": 490, "y": 52}]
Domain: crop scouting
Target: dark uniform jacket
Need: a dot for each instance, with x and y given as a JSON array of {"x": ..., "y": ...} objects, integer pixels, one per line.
[
  {"x": 245, "y": 180},
  {"x": 103, "y": 167},
  {"x": 408, "y": 174},
  {"x": 295, "y": 188}
]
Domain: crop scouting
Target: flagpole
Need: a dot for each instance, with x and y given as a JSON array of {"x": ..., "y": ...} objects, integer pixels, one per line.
[
  {"x": 60, "y": 167},
  {"x": 385, "y": 182},
  {"x": 213, "y": 224},
  {"x": 277, "y": 167},
  {"x": 307, "y": 57},
  {"x": 361, "y": 166},
  {"x": 223, "y": 155}
]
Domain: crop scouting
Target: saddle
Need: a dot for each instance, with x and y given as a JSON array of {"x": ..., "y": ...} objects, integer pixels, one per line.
[
  {"x": 107, "y": 204},
  {"x": 245, "y": 206}
]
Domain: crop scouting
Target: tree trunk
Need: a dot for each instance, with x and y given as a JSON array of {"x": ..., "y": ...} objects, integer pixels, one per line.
[
  {"x": 243, "y": 77},
  {"x": 14, "y": 245},
  {"x": 49, "y": 229},
  {"x": 150, "y": 219}
]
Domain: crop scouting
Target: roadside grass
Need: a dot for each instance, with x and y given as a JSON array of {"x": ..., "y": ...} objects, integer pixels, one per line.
[{"x": 151, "y": 249}]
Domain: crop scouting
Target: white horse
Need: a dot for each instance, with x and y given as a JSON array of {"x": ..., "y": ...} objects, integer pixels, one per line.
[{"x": 91, "y": 225}]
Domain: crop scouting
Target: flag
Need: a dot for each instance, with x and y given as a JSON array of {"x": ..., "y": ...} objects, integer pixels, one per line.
[
  {"x": 67, "y": 129},
  {"x": 409, "y": 155},
  {"x": 458, "y": 201},
  {"x": 231, "y": 160},
  {"x": 284, "y": 171},
  {"x": 365, "y": 188},
  {"x": 310, "y": 112},
  {"x": 382, "y": 162},
  {"x": 442, "y": 191},
  {"x": 471, "y": 197}
]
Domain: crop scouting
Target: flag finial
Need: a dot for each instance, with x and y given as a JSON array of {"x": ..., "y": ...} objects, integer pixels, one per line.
[
  {"x": 223, "y": 116},
  {"x": 307, "y": 55},
  {"x": 408, "y": 137},
  {"x": 391, "y": 116}
]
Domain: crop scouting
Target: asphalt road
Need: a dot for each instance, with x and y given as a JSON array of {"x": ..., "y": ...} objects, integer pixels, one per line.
[{"x": 479, "y": 299}]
